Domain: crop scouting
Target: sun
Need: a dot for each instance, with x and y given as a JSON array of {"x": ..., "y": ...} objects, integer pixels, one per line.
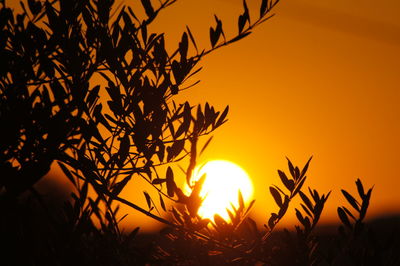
[{"x": 220, "y": 189}]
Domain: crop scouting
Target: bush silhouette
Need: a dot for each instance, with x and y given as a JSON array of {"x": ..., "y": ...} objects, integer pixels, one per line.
[{"x": 102, "y": 135}]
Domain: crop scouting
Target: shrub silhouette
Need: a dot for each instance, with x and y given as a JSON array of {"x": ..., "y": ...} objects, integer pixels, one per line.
[{"x": 103, "y": 135}]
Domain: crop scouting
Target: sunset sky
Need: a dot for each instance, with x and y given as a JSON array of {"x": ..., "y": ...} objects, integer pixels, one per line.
[
  {"x": 318, "y": 79},
  {"x": 321, "y": 78}
]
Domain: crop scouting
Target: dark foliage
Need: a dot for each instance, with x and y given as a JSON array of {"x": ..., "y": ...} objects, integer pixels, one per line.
[{"x": 86, "y": 86}]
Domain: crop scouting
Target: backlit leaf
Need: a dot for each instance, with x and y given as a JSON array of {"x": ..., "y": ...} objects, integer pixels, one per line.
[
  {"x": 148, "y": 199},
  {"x": 284, "y": 207},
  {"x": 250, "y": 207},
  {"x": 213, "y": 37},
  {"x": 307, "y": 201},
  {"x": 222, "y": 117},
  {"x": 183, "y": 46},
  {"x": 191, "y": 38},
  {"x": 67, "y": 172},
  {"x": 305, "y": 168},
  {"x": 162, "y": 203},
  {"x": 183, "y": 128},
  {"x": 289, "y": 184},
  {"x": 93, "y": 94},
  {"x": 365, "y": 204},
  {"x": 118, "y": 187},
  {"x": 343, "y": 217},
  {"x": 158, "y": 181},
  {"x": 148, "y": 7},
  {"x": 300, "y": 216},
  {"x": 298, "y": 186},
  {"x": 360, "y": 188},
  {"x": 297, "y": 172},
  {"x": 272, "y": 221},
  {"x": 276, "y": 195},
  {"x": 306, "y": 210},
  {"x": 291, "y": 168},
  {"x": 241, "y": 201},
  {"x": 124, "y": 149},
  {"x": 241, "y": 23},
  {"x": 353, "y": 202},
  {"x": 170, "y": 182},
  {"x": 263, "y": 8},
  {"x": 349, "y": 213}
]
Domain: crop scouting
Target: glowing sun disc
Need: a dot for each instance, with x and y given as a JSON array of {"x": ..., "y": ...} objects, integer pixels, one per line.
[{"x": 220, "y": 189}]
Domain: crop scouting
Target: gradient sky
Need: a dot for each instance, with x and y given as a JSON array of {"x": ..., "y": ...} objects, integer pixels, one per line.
[{"x": 320, "y": 78}]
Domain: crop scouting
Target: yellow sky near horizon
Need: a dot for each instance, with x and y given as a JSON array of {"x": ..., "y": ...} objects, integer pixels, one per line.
[{"x": 320, "y": 79}]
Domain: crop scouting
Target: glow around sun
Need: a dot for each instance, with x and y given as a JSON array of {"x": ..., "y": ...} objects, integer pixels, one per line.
[{"x": 220, "y": 189}]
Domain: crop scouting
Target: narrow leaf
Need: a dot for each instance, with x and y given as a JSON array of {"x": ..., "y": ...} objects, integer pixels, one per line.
[
  {"x": 124, "y": 149},
  {"x": 307, "y": 201},
  {"x": 276, "y": 195},
  {"x": 241, "y": 23},
  {"x": 349, "y": 213},
  {"x": 162, "y": 203},
  {"x": 213, "y": 37},
  {"x": 158, "y": 181},
  {"x": 222, "y": 117},
  {"x": 300, "y": 217},
  {"x": 343, "y": 217},
  {"x": 93, "y": 94},
  {"x": 67, "y": 172},
  {"x": 289, "y": 184},
  {"x": 263, "y": 8},
  {"x": 360, "y": 188},
  {"x": 241, "y": 201},
  {"x": 148, "y": 199},
  {"x": 306, "y": 210},
  {"x": 298, "y": 186},
  {"x": 183, "y": 46},
  {"x": 305, "y": 168},
  {"x": 246, "y": 13},
  {"x": 291, "y": 168},
  {"x": 118, "y": 187},
  {"x": 192, "y": 38},
  {"x": 272, "y": 221},
  {"x": 365, "y": 204},
  {"x": 170, "y": 182},
  {"x": 297, "y": 172},
  {"x": 147, "y": 7},
  {"x": 351, "y": 200},
  {"x": 250, "y": 206}
]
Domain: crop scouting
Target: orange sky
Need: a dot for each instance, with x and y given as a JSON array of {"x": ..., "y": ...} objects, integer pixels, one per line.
[{"x": 318, "y": 79}]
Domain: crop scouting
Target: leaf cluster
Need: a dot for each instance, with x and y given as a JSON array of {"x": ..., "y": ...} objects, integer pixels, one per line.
[
  {"x": 293, "y": 186},
  {"x": 100, "y": 135},
  {"x": 346, "y": 215},
  {"x": 88, "y": 86}
]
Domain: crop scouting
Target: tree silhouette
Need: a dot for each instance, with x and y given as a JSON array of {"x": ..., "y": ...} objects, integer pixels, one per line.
[
  {"x": 86, "y": 85},
  {"x": 101, "y": 136}
]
